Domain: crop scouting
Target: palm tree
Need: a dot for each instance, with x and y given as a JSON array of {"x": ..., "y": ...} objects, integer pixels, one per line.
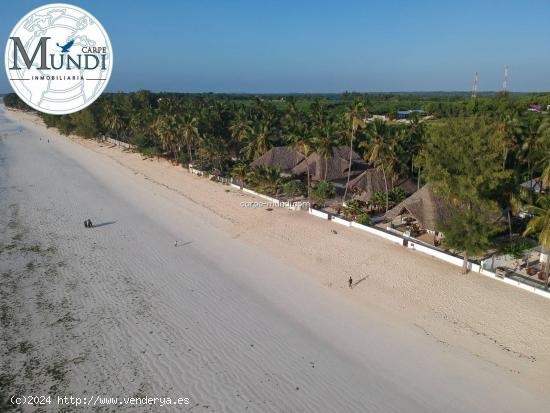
[
  {"x": 540, "y": 223},
  {"x": 416, "y": 133},
  {"x": 302, "y": 143},
  {"x": 260, "y": 142},
  {"x": 354, "y": 118},
  {"x": 190, "y": 131},
  {"x": 265, "y": 179},
  {"x": 381, "y": 150},
  {"x": 530, "y": 140},
  {"x": 325, "y": 142},
  {"x": 166, "y": 128},
  {"x": 240, "y": 126},
  {"x": 112, "y": 120},
  {"x": 508, "y": 129},
  {"x": 543, "y": 142},
  {"x": 239, "y": 171}
]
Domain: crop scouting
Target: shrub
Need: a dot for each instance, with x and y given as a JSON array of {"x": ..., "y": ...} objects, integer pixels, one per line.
[
  {"x": 364, "y": 219},
  {"x": 378, "y": 200},
  {"x": 265, "y": 179},
  {"x": 397, "y": 195},
  {"x": 150, "y": 152},
  {"x": 353, "y": 208},
  {"x": 322, "y": 191},
  {"x": 183, "y": 158},
  {"x": 516, "y": 249},
  {"x": 294, "y": 188}
]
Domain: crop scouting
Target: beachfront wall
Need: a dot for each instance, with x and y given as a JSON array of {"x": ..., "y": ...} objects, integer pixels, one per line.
[
  {"x": 379, "y": 233},
  {"x": 341, "y": 221},
  {"x": 515, "y": 283},
  {"x": 319, "y": 214},
  {"x": 451, "y": 259},
  {"x": 400, "y": 240},
  {"x": 120, "y": 143}
]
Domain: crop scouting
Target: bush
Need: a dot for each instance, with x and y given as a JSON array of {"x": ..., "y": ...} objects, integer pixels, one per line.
[
  {"x": 397, "y": 195},
  {"x": 265, "y": 179},
  {"x": 322, "y": 191},
  {"x": 183, "y": 158},
  {"x": 142, "y": 141},
  {"x": 516, "y": 249},
  {"x": 364, "y": 219},
  {"x": 150, "y": 152},
  {"x": 294, "y": 188},
  {"x": 378, "y": 200},
  {"x": 353, "y": 208}
]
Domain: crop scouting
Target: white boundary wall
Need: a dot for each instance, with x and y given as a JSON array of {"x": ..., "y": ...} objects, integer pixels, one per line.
[
  {"x": 318, "y": 214},
  {"x": 378, "y": 233},
  {"x": 120, "y": 143},
  {"x": 538, "y": 291},
  {"x": 411, "y": 242},
  {"x": 451, "y": 259},
  {"x": 341, "y": 221}
]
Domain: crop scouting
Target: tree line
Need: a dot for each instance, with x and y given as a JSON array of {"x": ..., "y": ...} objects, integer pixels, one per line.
[{"x": 475, "y": 153}]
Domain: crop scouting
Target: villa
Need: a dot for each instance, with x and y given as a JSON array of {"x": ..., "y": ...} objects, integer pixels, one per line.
[
  {"x": 283, "y": 157},
  {"x": 418, "y": 215},
  {"x": 332, "y": 169}
]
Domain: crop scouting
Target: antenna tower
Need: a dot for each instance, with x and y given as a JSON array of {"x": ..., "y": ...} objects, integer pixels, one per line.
[
  {"x": 474, "y": 87},
  {"x": 505, "y": 81}
]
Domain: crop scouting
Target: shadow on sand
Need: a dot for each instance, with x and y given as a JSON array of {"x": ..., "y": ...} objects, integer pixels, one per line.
[
  {"x": 360, "y": 281},
  {"x": 104, "y": 224}
]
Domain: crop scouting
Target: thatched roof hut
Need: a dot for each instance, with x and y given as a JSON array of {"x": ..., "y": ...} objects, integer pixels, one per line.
[
  {"x": 334, "y": 168},
  {"x": 424, "y": 206},
  {"x": 410, "y": 186},
  {"x": 372, "y": 180},
  {"x": 367, "y": 183},
  {"x": 282, "y": 157}
]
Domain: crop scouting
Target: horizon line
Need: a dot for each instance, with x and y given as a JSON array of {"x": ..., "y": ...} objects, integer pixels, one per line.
[{"x": 315, "y": 93}]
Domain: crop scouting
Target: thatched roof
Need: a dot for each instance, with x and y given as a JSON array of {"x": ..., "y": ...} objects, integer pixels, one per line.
[
  {"x": 408, "y": 185},
  {"x": 282, "y": 157},
  {"x": 423, "y": 205},
  {"x": 336, "y": 166},
  {"x": 367, "y": 183},
  {"x": 372, "y": 180}
]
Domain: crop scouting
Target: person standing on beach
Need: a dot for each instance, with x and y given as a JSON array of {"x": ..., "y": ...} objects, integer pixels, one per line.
[{"x": 350, "y": 282}]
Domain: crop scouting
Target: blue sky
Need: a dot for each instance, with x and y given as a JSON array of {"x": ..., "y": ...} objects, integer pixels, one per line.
[{"x": 263, "y": 46}]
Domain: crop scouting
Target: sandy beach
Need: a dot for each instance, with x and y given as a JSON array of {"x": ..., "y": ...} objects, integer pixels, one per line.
[{"x": 249, "y": 312}]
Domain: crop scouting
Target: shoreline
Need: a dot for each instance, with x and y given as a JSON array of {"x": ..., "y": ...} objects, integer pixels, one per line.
[{"x": 499, "y": 324}]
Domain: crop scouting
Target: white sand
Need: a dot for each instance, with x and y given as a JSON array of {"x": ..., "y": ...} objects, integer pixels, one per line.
[{"x": 250, "y": 311}]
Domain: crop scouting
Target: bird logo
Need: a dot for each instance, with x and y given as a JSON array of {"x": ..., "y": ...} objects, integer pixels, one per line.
[{"x": 65, "y": 49}]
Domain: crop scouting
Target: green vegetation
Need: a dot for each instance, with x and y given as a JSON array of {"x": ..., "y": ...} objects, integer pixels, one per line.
[
  {"x": 516, "y": 249},
  {"x": 474, "y": 152},
  {"x": 540, "y": 224},
  {"x": 322, "y": 191},
  {"x": 294, "y": 188},
  {"x": 364, "y": 219}
]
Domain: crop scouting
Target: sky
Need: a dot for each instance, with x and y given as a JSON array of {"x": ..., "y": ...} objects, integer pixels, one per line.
[{"x": 265, "y": 46}]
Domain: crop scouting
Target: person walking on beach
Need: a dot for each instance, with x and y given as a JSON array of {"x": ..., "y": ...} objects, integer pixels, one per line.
[{"x": 350, "y": 282}]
